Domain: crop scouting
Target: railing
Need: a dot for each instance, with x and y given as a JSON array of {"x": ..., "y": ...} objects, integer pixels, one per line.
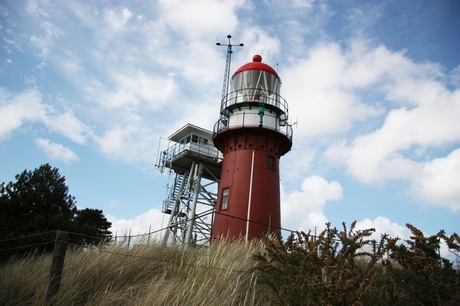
[
  {"x": 204, "y": 150},
  {"x": 222, "y": 124},
  {"x": 248, "y": 98},
  {"x": 253, "y": 96}
]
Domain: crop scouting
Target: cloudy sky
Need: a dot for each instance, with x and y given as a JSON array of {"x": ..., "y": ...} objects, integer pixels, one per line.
[{"x": 374, "y": 86}]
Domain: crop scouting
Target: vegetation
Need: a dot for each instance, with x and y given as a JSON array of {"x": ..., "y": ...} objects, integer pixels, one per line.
[
  {"x": 93, "y": 225},
  {"x": 423, "y": 276},
  {"x": 39, "y": 202},
  {"x": 144, "y": 275},
  {"x": 338, "y": 267},
  {"x": 347, "y": 268}
]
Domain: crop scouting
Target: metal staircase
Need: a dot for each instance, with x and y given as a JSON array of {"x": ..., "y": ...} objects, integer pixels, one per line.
[
  {"x": 192, "y": 196},
  {"x": 168, "y": 204},
  {"x": 190, "y": 206}
]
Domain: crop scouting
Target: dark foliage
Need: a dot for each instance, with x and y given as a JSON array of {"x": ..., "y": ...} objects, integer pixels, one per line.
[
  {"x": 93, "y": 225},
  {"x": 423, "y": 277},
  {"x": 347, "y": 268},
  {"x": 36, "y": 205}
]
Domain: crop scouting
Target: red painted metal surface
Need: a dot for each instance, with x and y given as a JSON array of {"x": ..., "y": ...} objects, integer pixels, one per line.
[
  {"x": 256, "y": 64},
  {"x": 239, "y": 146}
]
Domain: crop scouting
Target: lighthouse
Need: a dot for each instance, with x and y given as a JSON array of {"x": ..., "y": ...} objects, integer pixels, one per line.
[{"x": 252, "y": 133}]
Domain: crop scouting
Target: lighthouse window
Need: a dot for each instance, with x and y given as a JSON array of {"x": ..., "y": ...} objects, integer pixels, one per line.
[
  {"x": 224, "y": 202},
  {"x": 271, "y": 162},
  {"x": 194, "y": 138}
]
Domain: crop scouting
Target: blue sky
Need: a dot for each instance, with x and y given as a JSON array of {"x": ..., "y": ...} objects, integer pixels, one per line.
[{"x": 90, "y": 87}]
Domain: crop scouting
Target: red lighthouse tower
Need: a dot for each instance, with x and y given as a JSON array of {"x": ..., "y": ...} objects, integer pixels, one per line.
[{"x": 252, "y": 133}]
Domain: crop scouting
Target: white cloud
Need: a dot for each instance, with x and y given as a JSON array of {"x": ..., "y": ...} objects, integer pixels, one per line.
[
  {"x": 438, "y": 182},
  {"x": 41, "y": 43},
  {"x": 152, "y": 219},
  {"x": 56, "y": 151},
  {"x": 29, "y": 107},
  {"x": 364, "y": 18},
  {"x": 44, "y": 43},
  {"x": 379, "y": 156},
  {"x": 68, "y": 125},
  {"x": 417, "y": 111},
  {"x": 131, "y": 144},
  {"x": 137, "y": 90},
  {"x": 51, "y": 30},
  {"x": 383, "y": 225},
  {"x": 33, "y": 8},
  {"x": 15, "y": 110},
  {"x": 302, "y": 3},
  {"x": 299, "y": 161},
  {"x": 117, "y": 18},
  {"x": 261, "y": 43},
  {"x": 303, "y": 210},
  {"x": 113, "y": 140},
  {"x": 455, "y": 77},
  {"x": 322, "y": 91},
  {"x": 204, "y": 16},
  {"x": 325, "y": 89}
]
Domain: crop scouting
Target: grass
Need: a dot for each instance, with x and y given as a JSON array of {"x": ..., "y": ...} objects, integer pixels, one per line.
[{"x": 222, "y": 274}]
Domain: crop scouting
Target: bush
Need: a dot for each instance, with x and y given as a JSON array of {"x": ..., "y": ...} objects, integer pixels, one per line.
[{"x": 347, "y": 268}]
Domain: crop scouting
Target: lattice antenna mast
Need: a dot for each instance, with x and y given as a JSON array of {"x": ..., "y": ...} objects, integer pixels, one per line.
[{"x": 227, "y": 66}]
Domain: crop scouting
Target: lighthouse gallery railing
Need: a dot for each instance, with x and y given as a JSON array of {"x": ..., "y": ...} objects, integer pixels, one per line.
[{"x": 239, "y": 99}]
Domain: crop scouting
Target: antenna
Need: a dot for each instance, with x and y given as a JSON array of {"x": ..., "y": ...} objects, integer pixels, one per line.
[{"x": 227, "y": 66}]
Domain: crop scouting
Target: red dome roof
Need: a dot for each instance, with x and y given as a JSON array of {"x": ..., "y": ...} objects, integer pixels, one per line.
[{"x": 256, "y": 64}]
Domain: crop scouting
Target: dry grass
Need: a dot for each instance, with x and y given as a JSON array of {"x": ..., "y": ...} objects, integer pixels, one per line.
[{"x": 144, "y": 275}]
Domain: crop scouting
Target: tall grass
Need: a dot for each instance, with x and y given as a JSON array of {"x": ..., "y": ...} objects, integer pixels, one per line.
[{"x": 144, "y": 275}]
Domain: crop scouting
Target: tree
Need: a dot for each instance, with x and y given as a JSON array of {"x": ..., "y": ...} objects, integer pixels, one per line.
[
  {"x": 93, "y": 224},
  {"x": 38, "y": 204}
]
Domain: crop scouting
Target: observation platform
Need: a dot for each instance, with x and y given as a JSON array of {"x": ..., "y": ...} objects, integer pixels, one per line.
[{"x": 192, "y": 144}]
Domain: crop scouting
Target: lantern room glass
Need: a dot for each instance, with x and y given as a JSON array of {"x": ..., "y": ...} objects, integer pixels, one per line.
[{"x": 256, "y": 86}]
